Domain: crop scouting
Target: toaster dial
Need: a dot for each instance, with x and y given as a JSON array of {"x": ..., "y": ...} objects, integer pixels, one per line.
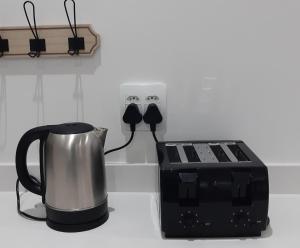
[
  {"x": 189, "y": 219},
  {"x": 240, "y": 218}
]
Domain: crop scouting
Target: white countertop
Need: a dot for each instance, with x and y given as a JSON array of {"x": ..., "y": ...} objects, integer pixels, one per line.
[{"x": 134, "y": 222}]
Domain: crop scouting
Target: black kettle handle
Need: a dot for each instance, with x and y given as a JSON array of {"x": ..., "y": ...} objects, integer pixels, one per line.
[{"x": 38, "y": 133}]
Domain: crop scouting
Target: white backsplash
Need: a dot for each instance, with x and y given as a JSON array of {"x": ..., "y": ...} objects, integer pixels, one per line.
[{"x": 232, "y": 69}]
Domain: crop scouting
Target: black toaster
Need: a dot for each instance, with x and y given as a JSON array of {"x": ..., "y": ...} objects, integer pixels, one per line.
[{"x": 212, "y": 189}]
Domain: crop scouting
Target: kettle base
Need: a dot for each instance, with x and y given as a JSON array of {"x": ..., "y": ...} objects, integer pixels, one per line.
[{"x": 77, "y": 221}]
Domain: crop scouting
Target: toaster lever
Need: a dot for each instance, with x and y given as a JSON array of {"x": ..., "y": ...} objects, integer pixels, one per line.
[
  {"x": 187, "y": 191},
  {"x": 241, "y": 183}
]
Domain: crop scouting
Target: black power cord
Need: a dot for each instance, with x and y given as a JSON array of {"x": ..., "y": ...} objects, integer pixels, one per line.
[
  {"x": 153, "y": 117},
  {"x": 121, "y": 147},
  {"x": 132, "y": 116},
  {"x": 154, "y": 137},
  {"x": 20, "y": 212}
]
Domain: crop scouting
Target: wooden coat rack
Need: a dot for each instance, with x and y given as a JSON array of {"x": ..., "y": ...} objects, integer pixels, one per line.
[
  {"x": 58, "y": 41},
  {"x": 15, "y": 41}
]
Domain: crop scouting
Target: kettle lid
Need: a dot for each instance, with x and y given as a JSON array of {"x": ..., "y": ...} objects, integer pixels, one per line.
[{"x": 72, "y": 128}]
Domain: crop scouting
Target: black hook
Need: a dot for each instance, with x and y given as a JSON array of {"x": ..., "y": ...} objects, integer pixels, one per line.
[
  {"x": 76, "y": 43},
  {"x": 3, "y": 46},
  {"x": 36, "y": 45}
]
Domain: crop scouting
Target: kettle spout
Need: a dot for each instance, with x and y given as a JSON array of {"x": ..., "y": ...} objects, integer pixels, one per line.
[{"x": 101, "y": 133}]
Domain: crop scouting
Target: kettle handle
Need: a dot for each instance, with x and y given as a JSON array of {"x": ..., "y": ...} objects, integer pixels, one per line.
[{"x": 38, "y": 133}]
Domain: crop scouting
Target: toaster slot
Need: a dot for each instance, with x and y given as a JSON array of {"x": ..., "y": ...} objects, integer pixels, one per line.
[
  {"x": 191, "y": 154},
  {"x": 229, "y": 153},
  {"x": 181, "y": 152},
  {"x": 205, "y": 154},
  {"x": 219, "y": 153},
  {"x": 238, "y": 153},
  {"x": 173, "y": 154}
]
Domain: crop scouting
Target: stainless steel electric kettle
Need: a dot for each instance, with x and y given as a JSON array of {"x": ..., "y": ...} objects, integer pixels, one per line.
[{"x": 72, "y": 168}]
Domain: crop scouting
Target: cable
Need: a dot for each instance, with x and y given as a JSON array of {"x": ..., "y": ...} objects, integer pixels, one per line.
[
  {"x": 121, "y": 147},
  {"x": 132, "y": 116},
  {"x": 20, "y": 212},
  {"x": 153, "y": 117},
  {"x": 154, "y": 136}
]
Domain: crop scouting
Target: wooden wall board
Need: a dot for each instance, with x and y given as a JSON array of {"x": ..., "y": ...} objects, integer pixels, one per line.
[{"x": 56, "y": 40}]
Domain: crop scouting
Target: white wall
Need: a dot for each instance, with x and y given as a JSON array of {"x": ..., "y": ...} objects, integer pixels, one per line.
[{"x": 232, "y": 68}]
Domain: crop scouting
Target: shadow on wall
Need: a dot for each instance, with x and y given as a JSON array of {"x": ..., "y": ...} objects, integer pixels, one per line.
[
  {"x": 3, "y": 113},
  {"x": 40, "y": 67},
  {"x": 38, "y": 98},
  {"x": 50, "y": 66},
  {"x": 78, "y": 97}
]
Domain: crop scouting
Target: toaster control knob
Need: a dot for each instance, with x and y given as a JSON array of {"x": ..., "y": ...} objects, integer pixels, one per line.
[
  {"x": 240, "y": 219},
  {"x": 189, "y": 219}
]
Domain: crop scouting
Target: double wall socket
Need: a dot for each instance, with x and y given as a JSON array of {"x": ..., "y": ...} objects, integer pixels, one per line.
[{"x": 143, "y": 94}]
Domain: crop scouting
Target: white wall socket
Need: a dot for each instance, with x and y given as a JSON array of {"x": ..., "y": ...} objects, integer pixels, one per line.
[{"x": 143, "y": 94}]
